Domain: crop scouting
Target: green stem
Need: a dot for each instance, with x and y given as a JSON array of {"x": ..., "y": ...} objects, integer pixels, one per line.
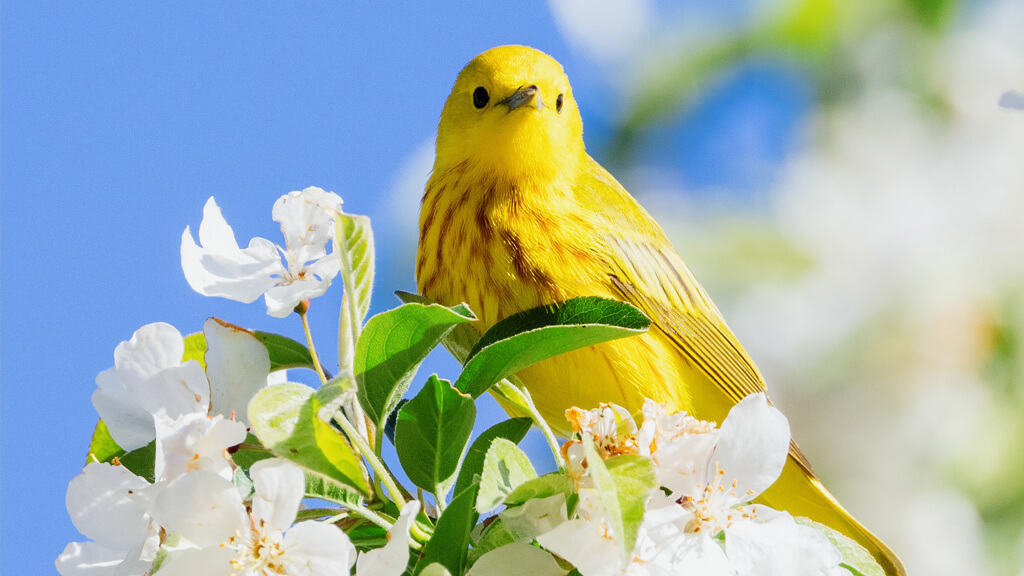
[
  {"x": 439, "y": 500},
  {"x": 366, "y": 514},
  {"x": 311, "y": 513},
  {"x": 312, "y": 349},
  {"x": 377, "y": 449},
  {"x": 379, "y": 469}
]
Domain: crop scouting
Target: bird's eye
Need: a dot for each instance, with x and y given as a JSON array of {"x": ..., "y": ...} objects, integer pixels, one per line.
[
  {"x": 559, "y": 101},
  {"x": 480, "y": 97}
]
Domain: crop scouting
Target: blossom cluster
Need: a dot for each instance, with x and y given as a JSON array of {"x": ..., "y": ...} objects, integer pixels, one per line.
[
  {"x": 209, "y": 453},
  {"x": 199, "y": 514},
  {"x": 700, "y": 519}
]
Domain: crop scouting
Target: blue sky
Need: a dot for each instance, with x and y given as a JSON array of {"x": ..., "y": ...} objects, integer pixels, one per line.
[{"x": 121, "y": 118}]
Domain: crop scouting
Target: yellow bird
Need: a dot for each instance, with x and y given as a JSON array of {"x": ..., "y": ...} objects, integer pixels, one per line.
[{"x": 516, "y": 215}]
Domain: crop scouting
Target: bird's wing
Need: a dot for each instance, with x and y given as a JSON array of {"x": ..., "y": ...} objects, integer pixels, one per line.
[
  {"x": 655, "y": 280},
  {"x": 646, "y": 272}
]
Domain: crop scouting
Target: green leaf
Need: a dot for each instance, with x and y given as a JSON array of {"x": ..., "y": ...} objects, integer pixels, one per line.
[
  {"x": 353, "y": 242},
  {"x": 141, "y": 461},
  {"x": 543, "y": 487},
  {"x": 856, "y": 558},
  {"x": 249, "y": 452},
  {"x": 242, "y": 483},
  {"x": 431, "y": 433},
  {"x": 102, "y": 447},
  {"x": 540, "y": 333},
  {"x": 459, "y": 341},
  {"x": 368, "y": 536},
  {"x": 450, "y": 542},
  {"x": 284, "y": 352},
  {"x": 392, "y": 347},
  {"x": 353, "y": 238},
  {"x": 493, "y": 536},
  {"x": 624, "y": 483},
  {"x": 318, "y": 486},
  {"x": 505, "y": 468},
  {"x": 284, "y": 418},
  {"x": 195, "y": 348},
  {"x": 514, "y": 430}
]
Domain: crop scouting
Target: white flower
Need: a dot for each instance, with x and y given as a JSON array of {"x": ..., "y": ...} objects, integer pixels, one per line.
[
  {"x": 148, "y": 376},
  {"x": 108, "y": 505},
  {"x": 194, "y": 442},
  {"x": 220, "y": 268},
  {"x": 222, "y": 538},
  {"x": 679, "y": 444},
  {"x": 610, "y": 425},
  {"x": 747, "y": 458}
]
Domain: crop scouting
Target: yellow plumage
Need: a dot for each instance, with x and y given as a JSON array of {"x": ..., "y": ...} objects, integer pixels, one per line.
[{"x": 516, "y": 215}]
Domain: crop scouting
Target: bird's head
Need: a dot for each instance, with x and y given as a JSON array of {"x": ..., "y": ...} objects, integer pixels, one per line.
[{"x": 511, "y": 112}]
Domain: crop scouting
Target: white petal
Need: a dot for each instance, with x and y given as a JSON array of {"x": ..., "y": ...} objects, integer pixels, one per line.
[
  {"x": 220, "y": 268},
  {"x": 392, "y": 559},
  {"x": 779, "y": 547},
  {"x": 752, "y": 446},
  {"x": 89, "y": 559},
  {"x": 214, "y": 231},
  {"x": 194, "y": 442},
  {"x": 279, "y": 486},
  {"x": 104, "y": 504},
  {"x": 237, "y": 365},
  {"x": 307, "y": 217},
  {"x": 283, "y": 298},
  {"x": 212, "y": 561},
  {"x": 177, "y": 390},
  {"x": 317, "y": 549},
  {"x": 152, "y": 348},
  {"x": 535, "y": 516},
  {"x": 275, "y": 378},
  {"x": 326, "y": 267},
  {"x": 201, "y": 506},
  {"x": 701, "y": 555},
  {"x": 579, "y": 542},
  {"x": 682, "y": 463},
  {"x": 516, "y": 559},
  {"x": 92, "y": 559},
  {"x": 129, "y": 425}
]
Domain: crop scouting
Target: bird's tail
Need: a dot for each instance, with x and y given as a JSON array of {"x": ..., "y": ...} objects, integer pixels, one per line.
[{"x": 800, "y": 493}]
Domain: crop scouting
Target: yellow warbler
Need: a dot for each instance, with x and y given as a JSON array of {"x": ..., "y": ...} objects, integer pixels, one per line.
[{"x": 517, "y": 215}]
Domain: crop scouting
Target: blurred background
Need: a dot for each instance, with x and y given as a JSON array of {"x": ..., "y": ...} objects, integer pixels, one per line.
[{"x": 845, "y": 178}]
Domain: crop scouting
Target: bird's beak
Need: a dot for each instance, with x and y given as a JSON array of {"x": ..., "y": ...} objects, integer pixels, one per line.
[{"x": 523, "y": 96}]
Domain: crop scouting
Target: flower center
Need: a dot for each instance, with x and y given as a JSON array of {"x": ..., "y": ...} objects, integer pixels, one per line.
[
  {"x": 261, "y": 554},
  {"x": 715, "y": 507}
]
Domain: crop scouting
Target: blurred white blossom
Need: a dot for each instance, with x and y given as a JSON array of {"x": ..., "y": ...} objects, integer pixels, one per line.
[{"x": 218, "y": 267}]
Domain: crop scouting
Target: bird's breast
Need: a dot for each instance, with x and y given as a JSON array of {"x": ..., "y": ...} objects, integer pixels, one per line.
[{"x": 496, "y": 247}]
